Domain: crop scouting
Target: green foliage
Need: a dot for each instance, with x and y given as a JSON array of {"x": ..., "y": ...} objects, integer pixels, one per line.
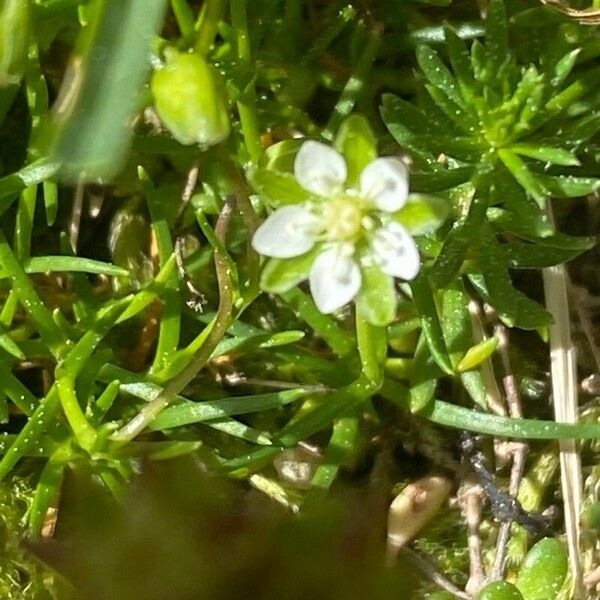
[
  {"x": 491, "y": 129},
  {"x": 23, "y": 576},
  {"x": 143, "y": 143}
]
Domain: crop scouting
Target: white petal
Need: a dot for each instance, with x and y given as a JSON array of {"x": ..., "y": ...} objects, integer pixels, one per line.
[
  {"x": 395, "y": 251},
  {"x": 385, "y": 181},
  {"x": 289, "y": 231},
  {"x": 320, "y": 169},
  {"x": 334, "y": 279}
]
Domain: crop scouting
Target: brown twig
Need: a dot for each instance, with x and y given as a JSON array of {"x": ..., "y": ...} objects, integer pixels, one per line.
[
  {"x": 582, "y": 301},
  {"x": 564, "y": 393},
  {"x": 588, "y": 16},
  {"x": 431, "y": 571},
  {"x": 190, "y": 185},
  {"x": 250, "y": 288},
  {"x": 513, "y": 401},
  {"x": 469, "y": 499}
]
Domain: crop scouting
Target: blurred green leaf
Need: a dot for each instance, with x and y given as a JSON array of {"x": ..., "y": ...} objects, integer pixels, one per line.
[{"x": 103, "y": 88}]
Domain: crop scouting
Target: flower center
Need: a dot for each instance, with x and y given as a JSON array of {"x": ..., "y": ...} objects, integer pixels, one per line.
[{"x": 342, "y": 218}]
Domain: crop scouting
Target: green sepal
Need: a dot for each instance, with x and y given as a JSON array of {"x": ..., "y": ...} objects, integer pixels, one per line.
[
  {"x": 281, "y": 275},
  {"x": 281, "y": 156},
  {"x": 377, "y": 300},
  {"x": 278, "y": 188},
  {"x": 356, "y": 142},
  {"x": 423, "y": 213}
]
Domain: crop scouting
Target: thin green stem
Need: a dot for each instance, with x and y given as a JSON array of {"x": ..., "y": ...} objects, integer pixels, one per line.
[
  {"x": 354, "y": 86},
  {"x": 207, "y": 24},
  {"x": 16, "y": 391},
  {"x": 247, "y": 105},
  {"x": 249, "y": 289},
  {"x": 170, "y": 322},
  {"x": 340, "y": 341},
  {"x": 184, "y": 16},
  {"x": 372, "y": 348},
  {"x": 222, "y": 322},
  {"x": 24, "y": 222},
  {"x": 239, "y": 21},
  {"x": 40, "y": 315},
  {"x": 84, "y": 433}
]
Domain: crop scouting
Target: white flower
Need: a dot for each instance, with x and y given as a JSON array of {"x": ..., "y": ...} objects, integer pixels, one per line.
[{"x": 348, "y": 227}]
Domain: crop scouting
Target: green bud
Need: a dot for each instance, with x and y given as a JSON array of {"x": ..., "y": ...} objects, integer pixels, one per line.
[
  {"x": 500, "y": 590},
  {"x": 189, "y": 98},
  {"x": 14, "y": 40},
  {"x": 544, "y": 570}
]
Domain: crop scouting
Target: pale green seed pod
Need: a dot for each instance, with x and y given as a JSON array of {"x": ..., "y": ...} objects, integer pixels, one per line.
[
  {"x": 14, "y": 40},
  {"x": 190, "y": 100}
]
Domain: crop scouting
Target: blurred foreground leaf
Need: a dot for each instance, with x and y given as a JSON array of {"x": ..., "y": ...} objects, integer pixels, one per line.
[{"x": 101, "y": 90}]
